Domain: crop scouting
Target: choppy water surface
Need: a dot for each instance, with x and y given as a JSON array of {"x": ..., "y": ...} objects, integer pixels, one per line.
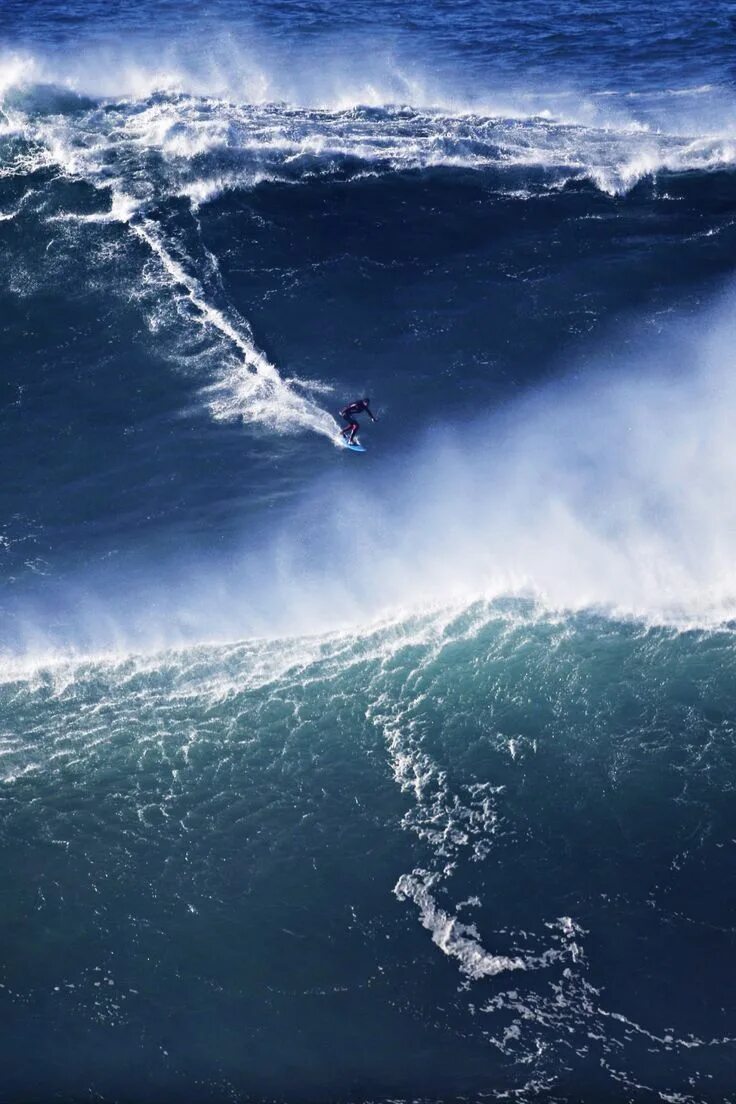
[{"x": 405, "y": 776}]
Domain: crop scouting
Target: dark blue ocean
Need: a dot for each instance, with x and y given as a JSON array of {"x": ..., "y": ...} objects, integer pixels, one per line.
[{"x": 407, "y": 776}]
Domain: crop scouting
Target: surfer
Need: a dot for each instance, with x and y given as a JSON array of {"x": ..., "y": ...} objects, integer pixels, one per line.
[{"x": 349, "y": 412}]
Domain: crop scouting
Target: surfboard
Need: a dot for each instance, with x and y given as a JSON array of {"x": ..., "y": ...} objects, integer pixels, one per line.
[{"x": 353, "y": 448}]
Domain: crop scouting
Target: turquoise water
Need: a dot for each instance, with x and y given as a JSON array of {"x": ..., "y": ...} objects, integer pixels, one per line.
[{"x": 496, "y": 835}]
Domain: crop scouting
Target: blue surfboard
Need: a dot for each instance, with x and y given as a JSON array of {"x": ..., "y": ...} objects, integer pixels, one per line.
[{"x": 353, "y": 448}]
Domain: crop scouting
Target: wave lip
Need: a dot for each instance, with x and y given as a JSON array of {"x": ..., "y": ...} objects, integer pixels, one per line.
[
  {"x": 206, "y": 124},
  {"x": 243, "y": 146}
]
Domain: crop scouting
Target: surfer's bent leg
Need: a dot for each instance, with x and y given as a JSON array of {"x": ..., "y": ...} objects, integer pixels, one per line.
[{"x": 350, "y": 429}]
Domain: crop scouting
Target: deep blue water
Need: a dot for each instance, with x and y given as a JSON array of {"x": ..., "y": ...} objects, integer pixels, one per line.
[{"x": 403, "y": 776}]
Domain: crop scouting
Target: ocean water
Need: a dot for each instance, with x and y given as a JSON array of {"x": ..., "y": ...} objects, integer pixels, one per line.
[{"x": 406, "y": 776}]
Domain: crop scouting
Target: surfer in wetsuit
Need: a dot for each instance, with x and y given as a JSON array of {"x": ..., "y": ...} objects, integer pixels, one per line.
[{"x": 349, "y": 412}]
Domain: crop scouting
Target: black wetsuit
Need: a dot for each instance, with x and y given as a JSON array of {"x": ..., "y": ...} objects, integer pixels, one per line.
[{"x": 348, "y": 413}]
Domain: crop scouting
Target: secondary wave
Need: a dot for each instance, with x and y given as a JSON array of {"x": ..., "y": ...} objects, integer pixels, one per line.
[{"x": 488, "y": 722}]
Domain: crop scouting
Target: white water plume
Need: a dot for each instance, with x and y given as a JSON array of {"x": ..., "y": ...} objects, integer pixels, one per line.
[
  {"x": 616, "y": 492},
  {"x": 612, "y": 493},
  {"x": 275, "y": 116}
]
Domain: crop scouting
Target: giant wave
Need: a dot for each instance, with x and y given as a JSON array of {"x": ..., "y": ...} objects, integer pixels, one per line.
[
  {"x": 150, "y": 152},
  {"x": 436, "y": 748}
]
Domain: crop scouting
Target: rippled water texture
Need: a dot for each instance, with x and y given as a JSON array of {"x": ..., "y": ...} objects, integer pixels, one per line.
[{"x": 401, "y": 776}]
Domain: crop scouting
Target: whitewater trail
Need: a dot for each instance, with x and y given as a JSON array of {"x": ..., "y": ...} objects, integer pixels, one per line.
[
  {"x": 142, "y": 154},
  {"x": 252, "y": 390},
  {"x": 154, "y": 147},
  {"x": 247, "y": 387}
]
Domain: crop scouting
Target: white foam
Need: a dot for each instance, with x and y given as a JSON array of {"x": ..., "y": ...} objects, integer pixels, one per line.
[
  {"x": 457, "y": 940},
  {"x": 122, "y": 209},
  {"x": 561, "y": 511},
  {"x": 251, "y": 390},
  {"x": 247, "y": 387},
  {"x": 281, "y": 119}
]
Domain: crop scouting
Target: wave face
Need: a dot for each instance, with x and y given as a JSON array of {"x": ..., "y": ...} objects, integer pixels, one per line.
[
  {"x": 495, "y": 829},
  {"x": 301, "y": 753}
]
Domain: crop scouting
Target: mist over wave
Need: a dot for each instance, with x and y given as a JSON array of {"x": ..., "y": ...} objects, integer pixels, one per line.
[
  {"x": 282, "y": 113},
  {"x": 610, "y": 492},
  {"x": 305, "y": 754}
]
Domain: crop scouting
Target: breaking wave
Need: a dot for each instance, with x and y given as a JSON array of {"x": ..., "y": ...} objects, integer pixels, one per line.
[{"x": 156, "y": 149}]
